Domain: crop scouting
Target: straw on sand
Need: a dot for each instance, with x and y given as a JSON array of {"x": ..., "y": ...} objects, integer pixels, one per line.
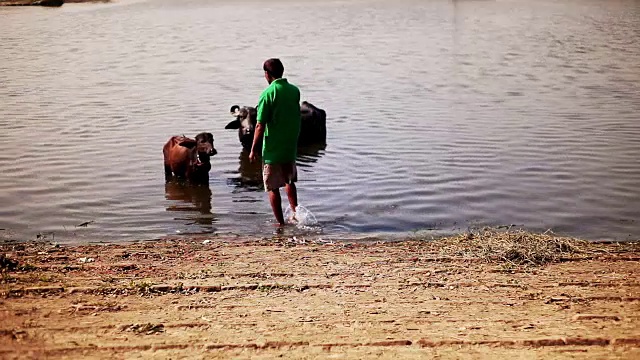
[{"x": 517, "y": 247}]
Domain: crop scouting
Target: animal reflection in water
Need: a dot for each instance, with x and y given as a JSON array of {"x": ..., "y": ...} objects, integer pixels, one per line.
[
  {"x": 250, "y": 174},
  {"x": 193, "y": 200}
]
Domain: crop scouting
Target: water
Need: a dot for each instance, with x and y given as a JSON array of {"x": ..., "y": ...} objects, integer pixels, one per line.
[{"x": 442, "y": 115}]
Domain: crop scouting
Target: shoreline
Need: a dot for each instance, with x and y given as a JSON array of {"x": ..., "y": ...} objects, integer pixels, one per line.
[
  {"x": 11, "y": 237},
  {"x": 485, "y": 295}
]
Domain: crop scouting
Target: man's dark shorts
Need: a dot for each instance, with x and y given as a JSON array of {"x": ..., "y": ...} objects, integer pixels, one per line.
[{"x": 276, "y": 176}]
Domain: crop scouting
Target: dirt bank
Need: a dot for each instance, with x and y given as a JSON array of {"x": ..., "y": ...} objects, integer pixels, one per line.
[{"x": 282, "y": 297}]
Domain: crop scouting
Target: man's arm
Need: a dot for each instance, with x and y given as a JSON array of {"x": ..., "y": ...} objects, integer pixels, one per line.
[
  {"x": 259, "y": 133},
  {"x": 262, "y": 116}
]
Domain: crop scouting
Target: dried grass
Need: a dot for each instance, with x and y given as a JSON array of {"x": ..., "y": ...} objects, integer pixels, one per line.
[{"x": 516, "y": 247}]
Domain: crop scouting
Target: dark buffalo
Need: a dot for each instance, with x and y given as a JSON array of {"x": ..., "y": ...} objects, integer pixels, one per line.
[
  {"x": 245, "y": 121},
  {"x": 313, "y": 124},
  {"x": 189, "y": 159}
]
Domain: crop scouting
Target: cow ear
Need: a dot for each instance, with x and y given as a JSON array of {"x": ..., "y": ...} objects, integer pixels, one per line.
[
  {"x": 188, "y": 143},
  {"x": 235, "y": 124}
]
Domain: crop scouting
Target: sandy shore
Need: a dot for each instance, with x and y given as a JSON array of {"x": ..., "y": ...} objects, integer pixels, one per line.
[{"x": 286, "y": 298}]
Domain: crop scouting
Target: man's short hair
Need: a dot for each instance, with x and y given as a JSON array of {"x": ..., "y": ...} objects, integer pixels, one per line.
[{"x": 274, "y": 68}]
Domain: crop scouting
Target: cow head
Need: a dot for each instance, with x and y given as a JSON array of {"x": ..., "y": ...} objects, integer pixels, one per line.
[
  {"x": 203, "y": 148},
  {"x": 245, "y": 121}
]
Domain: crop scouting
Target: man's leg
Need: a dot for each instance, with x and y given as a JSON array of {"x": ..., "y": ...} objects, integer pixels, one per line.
[
  {"x": 291, "y": 175},
  {"x": 276, "y": 205},
  {"x": 292, "y": 194}
]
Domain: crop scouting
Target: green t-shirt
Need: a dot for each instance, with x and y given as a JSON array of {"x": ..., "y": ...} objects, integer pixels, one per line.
[{"x": 279, "y": 111}]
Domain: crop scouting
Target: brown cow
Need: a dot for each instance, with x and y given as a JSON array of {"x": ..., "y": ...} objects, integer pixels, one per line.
[{"x": 189, "y": 159}]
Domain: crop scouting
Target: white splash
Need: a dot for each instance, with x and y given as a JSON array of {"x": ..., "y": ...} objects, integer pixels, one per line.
[{"x": 303, "y": 217}]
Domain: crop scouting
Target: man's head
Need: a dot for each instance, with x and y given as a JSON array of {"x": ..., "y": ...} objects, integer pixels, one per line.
[{"x": 273, "y": 69}]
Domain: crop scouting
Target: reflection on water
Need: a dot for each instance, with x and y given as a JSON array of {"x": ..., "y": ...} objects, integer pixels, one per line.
[
  {"x": 310, "y": 154},
  {"x": 192, "y": 202},
  {"x": 249, "y": 174}
]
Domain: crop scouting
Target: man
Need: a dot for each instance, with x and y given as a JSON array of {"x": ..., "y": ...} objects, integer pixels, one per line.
[{"x": 278, "y": 120}]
